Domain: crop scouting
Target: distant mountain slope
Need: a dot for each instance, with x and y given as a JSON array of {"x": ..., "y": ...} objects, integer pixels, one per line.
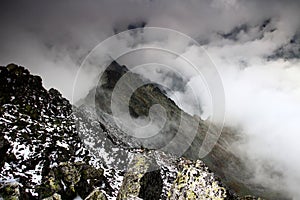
[{"x": 222, "y": 160}]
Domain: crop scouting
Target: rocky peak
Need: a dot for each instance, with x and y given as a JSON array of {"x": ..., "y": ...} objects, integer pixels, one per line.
[{"x": 37, "y": 133}]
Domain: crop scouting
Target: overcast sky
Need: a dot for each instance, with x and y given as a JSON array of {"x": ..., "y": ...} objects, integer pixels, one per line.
[
  {"x": 253, "y": 43},
  {"x": 54, "y": 36}
]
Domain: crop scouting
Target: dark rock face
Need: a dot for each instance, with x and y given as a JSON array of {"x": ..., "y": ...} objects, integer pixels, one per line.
[
  {"x": 141, "y": 100},
  {"x": 109, "y": 79},
  {"x": 37, "y": 132},
  {"x": 290, "y": 50},
  {"x": 11, "y": 191},
  {"x": 123, "y": 27},
  {"x": 4, "y": 146},
  {"x": 151, "y": 185},
  {"x": 143, "y": 179},
  {"x": 71, "y": 179}
]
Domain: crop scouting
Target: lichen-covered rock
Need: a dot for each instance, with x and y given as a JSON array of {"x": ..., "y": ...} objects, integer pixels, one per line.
[
  {"x": 70, "y": 179},
  {"x": 194, "y": 181},
  {"x": 97, "y": 194},
  {"x": 55, "y": 196},
  {"x": 142, "y": 180},
  {"x": 10, "y": 191}
]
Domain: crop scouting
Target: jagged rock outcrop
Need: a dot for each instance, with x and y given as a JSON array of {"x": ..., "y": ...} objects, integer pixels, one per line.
[
  {"x": 38, "y": 133},
  {"x": 10, "y": 191},
  {"x": 55, "y": 196},
  {"x": 97, "y": 194},
  {"x": 191, "y": 183},
  {"x": 71, "y": 179},
  {"x": 143, "y": 180}
]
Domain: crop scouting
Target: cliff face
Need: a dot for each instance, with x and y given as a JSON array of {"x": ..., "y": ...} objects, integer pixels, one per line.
[{"x": 50, "y": 149}]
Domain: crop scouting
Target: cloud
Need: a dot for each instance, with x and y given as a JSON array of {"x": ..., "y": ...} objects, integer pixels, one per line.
[{"x": 262, "y": 100}]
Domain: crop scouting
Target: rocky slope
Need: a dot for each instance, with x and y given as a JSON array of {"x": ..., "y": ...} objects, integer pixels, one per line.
[{"x": 51, "y": 150}]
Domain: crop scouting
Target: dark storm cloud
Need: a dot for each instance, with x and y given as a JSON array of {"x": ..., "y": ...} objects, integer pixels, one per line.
[{"x": 72, "y": 28}]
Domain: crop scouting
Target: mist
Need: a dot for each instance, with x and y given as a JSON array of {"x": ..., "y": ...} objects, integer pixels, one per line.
[{"x": 253, "y": 44}]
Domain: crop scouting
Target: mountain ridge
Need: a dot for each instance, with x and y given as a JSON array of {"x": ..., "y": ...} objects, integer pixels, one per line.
[{"x": 53, "y": 150}]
